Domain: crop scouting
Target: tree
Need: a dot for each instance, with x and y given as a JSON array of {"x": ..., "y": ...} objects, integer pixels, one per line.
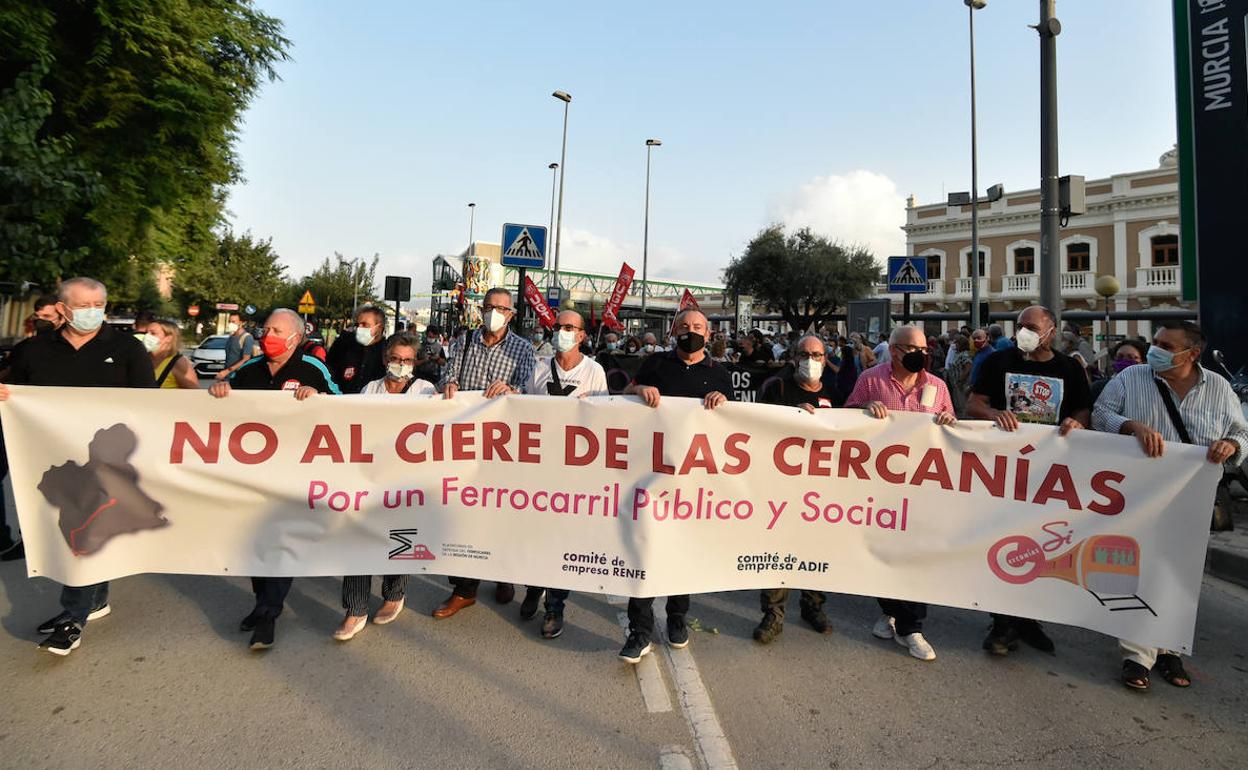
[
  {"x": 127, "y": 113},
  {"x": 336, "y": 283},
  {"x": 241, "y": 269},
  {"x": 803, "y": 275}
]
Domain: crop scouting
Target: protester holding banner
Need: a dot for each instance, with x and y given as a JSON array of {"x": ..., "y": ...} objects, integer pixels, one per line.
[
  {"x": 493, "y": 360},
  {"x": 901, "y": 383},
  {"x": 1172, "y": 399},
  {"x": 804, "y": 388},
  {"x": 684, "y": 372},
  {"x": 570, "y": 373},
  {"x": 285, "y": 367},
  {"x": 356, "y": 359},
  {"x": 84, "y": 352},
  {"x": 1030, "y": 382},
  {"x": 400, "y": 361}
]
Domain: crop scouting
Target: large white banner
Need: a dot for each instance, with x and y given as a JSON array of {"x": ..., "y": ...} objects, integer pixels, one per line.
[{"x": 610, "y": 496}]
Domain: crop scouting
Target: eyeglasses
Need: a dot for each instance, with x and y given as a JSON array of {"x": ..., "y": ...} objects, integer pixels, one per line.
[
  {"x": 488, "y": 308},
  {"x": 812, "y": 356},
  {"x": 397, "y": 360},
  {"x": 567, "y": 328}
]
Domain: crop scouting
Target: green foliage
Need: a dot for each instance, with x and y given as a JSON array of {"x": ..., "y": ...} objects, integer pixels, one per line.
[
  {"x": 127, "y": 112},
  {"x": 240, "y": 269},
  {"x": 332, "y": 285},
  {"x": 804, "y": 276}
]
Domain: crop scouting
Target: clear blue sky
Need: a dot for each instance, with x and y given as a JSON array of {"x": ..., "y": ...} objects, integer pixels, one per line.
[{"x": 392, "y": 116}]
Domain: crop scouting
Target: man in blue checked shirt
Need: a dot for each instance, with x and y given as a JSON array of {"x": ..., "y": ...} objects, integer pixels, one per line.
[
  {"x": 1174, "y": 398},
  {"x": 494, "y": 360}
]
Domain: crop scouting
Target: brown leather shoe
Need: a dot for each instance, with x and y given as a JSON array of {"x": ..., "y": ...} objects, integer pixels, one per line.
[
  {"x": 504, "y": 593},
  {"x": 452, "y": 605}
]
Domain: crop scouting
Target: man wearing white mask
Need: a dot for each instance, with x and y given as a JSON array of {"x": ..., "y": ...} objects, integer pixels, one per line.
[
  {"x": 1029, "y": 382},
  {"x": 84, "y": 352},
  {"x": 239, "y": 348},
  {"x": 570, "y": 373},
  {"x": 805, "y": 389},
  {"x": 542, "y": 348},
  {"x": 492, "y": 360},
  {"x": 356, "y": 359}
]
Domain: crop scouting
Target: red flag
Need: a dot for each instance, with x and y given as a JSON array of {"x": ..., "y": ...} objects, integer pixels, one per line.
[
  {"x": 687, "y": 300},
  {"x": 533, "y": 296},
  {"x": 612, "y": 308}
]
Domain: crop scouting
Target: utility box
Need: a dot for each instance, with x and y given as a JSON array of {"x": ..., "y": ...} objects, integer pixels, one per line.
[{"x": 1071, "y": 195}]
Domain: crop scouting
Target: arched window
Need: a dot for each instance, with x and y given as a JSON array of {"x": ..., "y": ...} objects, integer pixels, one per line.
[
  {"x": 1165, "y": 250},
  {"x": 1078, "y": 257},
  {"x": 1024, "y": 260}
]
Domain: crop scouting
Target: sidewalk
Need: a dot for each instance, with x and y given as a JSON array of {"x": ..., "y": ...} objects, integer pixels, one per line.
[{"x": 1228, "y": 551}]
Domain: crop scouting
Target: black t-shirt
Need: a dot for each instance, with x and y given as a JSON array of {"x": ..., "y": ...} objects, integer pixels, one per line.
[
  {"x": 761, "y": 354},
  {"x": 788, "y": 392},
  {"x": 354, "y": 365},
  {"x": 673, "y": 377},
  {"x": 110, "y": 359},
  {"x": 1035, "y": 391},
  {"x": 299, "y": 370}
]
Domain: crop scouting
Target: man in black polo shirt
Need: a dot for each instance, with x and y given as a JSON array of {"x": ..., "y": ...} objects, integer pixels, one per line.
[
  {"x": 1029, "y": 382},
  {"x": 687, "y": 371},
  {"x": 804, "y": 388},
  {"x": 282, "y": 367},
  {"x": 355, "y": 359},
  {"x": 85, "y": 352}
]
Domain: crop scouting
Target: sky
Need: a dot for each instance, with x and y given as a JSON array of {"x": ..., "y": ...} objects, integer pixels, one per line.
[{"x": 392, "y": 116}]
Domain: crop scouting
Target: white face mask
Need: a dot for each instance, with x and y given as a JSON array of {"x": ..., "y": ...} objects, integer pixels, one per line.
[
  {"x": 494, "y": 320},
  {"x": 1027, "y": 340},
  {"x": 87, "y": 319},
  {"x": 397, "y": 371},
  {"x": 810, "y": 370},
  {"x": 565, "y": 340},
  {"x": 363, "y": 335},
  {"x": 231, "y": 327},
  {"x": 150, "y": 342}
]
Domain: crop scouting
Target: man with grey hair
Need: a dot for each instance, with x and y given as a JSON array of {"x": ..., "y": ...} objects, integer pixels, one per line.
[
  {"x": 281, "y": 367},
  {"x": 84, "y": 352},
  {"x": 496, "y": 361},
  {"x": 997, "y": 338}
]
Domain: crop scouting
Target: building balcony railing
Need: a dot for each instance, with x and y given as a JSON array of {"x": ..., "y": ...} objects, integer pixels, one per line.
[
  {"x": 1081, "y": 284},
  {"x": 962, "y": 290},
  {"x": 1157, "y": 280},
  {"x": 1019, "y": 286}
]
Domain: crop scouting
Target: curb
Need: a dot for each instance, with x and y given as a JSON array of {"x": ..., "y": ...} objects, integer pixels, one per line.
[{"x": 1228, "y": 564}]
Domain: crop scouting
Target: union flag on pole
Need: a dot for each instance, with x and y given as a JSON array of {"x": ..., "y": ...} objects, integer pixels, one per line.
[
  {"x": 533, "y": 295},
  {"x": 687, "y": 300},
  {"x": 611, "y": 310}
]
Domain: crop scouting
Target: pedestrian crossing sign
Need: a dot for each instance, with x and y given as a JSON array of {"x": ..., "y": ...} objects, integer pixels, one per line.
[
  {"x": 524, "y": 246},
  {"x": 907, "y": 274}
]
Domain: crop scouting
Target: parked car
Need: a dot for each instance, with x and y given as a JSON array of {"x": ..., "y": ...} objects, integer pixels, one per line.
[{"x": 209, "y": 356}]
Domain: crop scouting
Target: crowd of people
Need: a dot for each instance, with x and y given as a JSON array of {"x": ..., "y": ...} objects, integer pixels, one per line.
[{"x": 1157, "y": 392}]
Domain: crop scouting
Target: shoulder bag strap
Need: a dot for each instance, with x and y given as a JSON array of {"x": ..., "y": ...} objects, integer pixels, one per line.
[
  {"x": 554, "y": 373},
  {"x": 463, "y": 356},
  {"x": 1175, "y": 417},
  {"x": 168, "y": 370},
  {"x": 411, "y": 381}
]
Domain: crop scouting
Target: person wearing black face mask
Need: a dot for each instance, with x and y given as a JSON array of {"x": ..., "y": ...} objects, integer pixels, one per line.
[{"x": 689, "y": 372}]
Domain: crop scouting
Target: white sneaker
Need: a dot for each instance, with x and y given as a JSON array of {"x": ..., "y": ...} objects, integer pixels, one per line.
[
  {"x": 350, "y": 627},
  {"x": 885, "y": 628},
  {"x": 918, "y": 646}
]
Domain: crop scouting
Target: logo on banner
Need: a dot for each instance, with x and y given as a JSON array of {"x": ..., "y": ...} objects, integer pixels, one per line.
[
  {"x": 1106, "y": 566},
  {"x": 406, "y": 549},
  {"x": 101, "y": 499}
]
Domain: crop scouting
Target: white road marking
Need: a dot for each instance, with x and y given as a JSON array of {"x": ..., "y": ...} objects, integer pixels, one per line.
[
  {"x": 712, "y": 745},
  {"x": 674, "y": 758},
  {"x": 653, "y": 689}
]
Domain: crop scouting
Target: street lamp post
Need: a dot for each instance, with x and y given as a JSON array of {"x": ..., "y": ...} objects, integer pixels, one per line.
[
  {"x": 355, "y": 282},
  {"x": 645, "y": 239},
  {"x": 1050, "y": 205},
  {"x": 472, "y": 218},
  {"x": 554, "y": 175},
  {"x": 971, "y": 7},
  {"x": 566, "y": 98}
]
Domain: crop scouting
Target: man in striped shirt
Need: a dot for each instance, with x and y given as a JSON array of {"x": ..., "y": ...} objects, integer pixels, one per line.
[
  {"x": 1208, "y": 414},
  {"x": 902, "y": 383}
]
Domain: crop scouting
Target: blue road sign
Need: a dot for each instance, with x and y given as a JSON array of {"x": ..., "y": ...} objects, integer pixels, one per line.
[
  {"x": 907, "y": 274},
  {"x": 524, "y": 246}
]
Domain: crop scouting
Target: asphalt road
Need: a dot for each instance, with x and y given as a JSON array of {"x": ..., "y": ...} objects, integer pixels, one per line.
[{"x": 167, "y": 681}]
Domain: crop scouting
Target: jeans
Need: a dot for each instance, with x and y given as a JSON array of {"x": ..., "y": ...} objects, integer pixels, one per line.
[
  {"x": 556, "y": 598},
  {"x": 356, "y": 590},
  {"x": 908, "y": 616},
  {"x": 270, "y": 595},
  {"x": 772, "y": 601},
  {"x": 78, "y": 601},
  {"x": 641, "y": 614}
]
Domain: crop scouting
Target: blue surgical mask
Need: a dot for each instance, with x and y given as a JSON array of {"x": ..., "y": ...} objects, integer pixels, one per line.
[
  {"x": 1160, "y": 359},
  {"x": 87, "y": 319}
]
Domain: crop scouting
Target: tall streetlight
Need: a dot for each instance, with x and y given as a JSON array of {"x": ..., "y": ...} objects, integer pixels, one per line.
[
  {"x": 972, "y": 6},
  {"x": 645, "y": 239},
  {"x": 472, "y": 218},
  {"x": 554, "y": 175},
  {"x": 355, "y": 281},
  {"x": 566, "y": 98},
  {"x": 1050, "y": 204}
]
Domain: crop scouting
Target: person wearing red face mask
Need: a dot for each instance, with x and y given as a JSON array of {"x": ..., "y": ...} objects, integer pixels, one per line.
[{"x": 282, "y": 367}]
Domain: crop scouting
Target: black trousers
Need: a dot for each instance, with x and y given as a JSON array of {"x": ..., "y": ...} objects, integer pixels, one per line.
[
  {"x": 270, "y": 595},
  {"x": 6, "y": 535},
  {"x": 466, "y": 587},
  {"x": 641, "y": 613},
  {"x": 909, "y": 616},
  {"x": 772, "y": 600}
]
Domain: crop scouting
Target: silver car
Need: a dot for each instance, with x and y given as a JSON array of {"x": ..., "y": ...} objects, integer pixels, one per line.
[{"x": 209, "y": 357}]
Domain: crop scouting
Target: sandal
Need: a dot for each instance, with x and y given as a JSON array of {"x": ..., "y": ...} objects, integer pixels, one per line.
[
  {"x": 1134, "y": 675},
  {"x": 1171, "y": 669}
]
